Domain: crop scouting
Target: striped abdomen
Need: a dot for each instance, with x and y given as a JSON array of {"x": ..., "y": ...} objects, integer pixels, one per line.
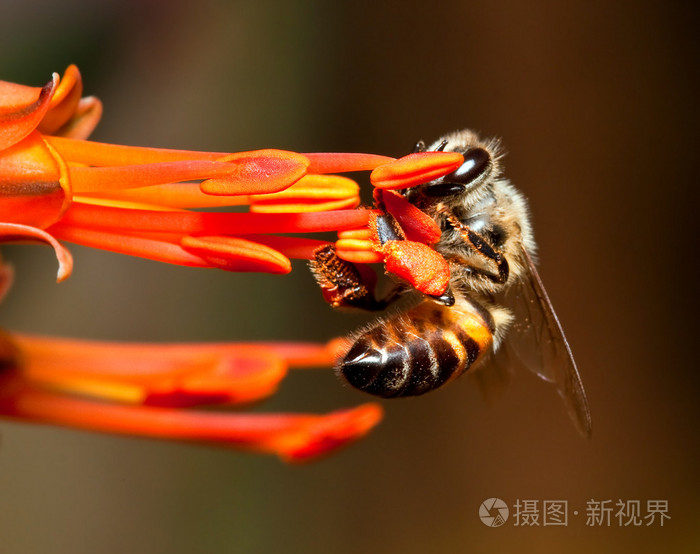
[{"x": 418, "y": 350}]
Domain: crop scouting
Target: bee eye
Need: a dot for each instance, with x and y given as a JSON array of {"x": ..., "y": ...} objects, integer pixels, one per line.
[
  {"x": 442, "y": 190},
  {"x": 476, "y": 163}
]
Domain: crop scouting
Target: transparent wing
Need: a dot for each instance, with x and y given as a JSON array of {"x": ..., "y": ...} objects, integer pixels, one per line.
[
  {"x": 538, "y": 341},
  {"x": 492, "y": 376}
]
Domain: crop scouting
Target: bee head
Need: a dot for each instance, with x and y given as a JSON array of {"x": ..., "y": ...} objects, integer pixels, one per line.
[{"x": 479, "y": 166}]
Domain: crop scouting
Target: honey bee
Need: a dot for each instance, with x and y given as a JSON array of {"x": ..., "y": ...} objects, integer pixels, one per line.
[{"x": 495, "y": 295}]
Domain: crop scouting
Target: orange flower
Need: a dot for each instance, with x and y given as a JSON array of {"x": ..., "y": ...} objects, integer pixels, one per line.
[
  {"x": 54, "y": 184},
  {"x": 57, "y": 186},
  {"x": 143, "y": 390}
]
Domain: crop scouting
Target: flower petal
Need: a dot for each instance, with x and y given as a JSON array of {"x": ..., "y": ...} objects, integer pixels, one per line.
[
  {"x": 328, "y": 433},
  {"x": 63, "y": 102},
  {"x": 85, "y": 118},
  {"x": 237, "y": 254},
  {"x": 34, "y": 183},
  {"x": 293, "y": 437},
  {"x": 415, "y": 169},
  {"x": 21, "y": 109},
  {"x": 13, "y": 232},
  {"x": 173, "y": 375}
]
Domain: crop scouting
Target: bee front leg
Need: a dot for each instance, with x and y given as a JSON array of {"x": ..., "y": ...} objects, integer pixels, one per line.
[
  {"x": 343, "y": 284},
  {"x": 479, "y": 244}
]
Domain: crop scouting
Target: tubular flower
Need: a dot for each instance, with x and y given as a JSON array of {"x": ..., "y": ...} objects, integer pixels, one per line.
[
  {"x": 143, "y": 390},
  {"x": 57, "y": 186}
]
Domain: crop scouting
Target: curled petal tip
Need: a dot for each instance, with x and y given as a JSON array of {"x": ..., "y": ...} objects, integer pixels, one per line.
[
  {"x": 86, "y": 117},
  {"x": 333, "y": 431},
  {"x": 11, "y": 232},
  {"x": 65, "y": 265},
  {"x": 63, "y": 101},
  {"x": 22, "y": 109},
  {"x": 415, "y": 169}
]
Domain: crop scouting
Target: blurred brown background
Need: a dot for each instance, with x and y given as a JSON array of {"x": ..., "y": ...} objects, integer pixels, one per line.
[{"x": 596, "y": 103}]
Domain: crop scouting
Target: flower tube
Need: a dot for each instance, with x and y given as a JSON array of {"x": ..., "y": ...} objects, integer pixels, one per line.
[{"x": 57, "y": 186}]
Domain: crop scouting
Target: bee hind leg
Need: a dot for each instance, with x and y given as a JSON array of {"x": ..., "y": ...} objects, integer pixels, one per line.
[{"x": 344, "y": 285}]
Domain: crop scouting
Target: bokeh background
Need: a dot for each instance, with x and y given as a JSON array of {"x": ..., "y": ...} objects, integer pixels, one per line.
[{"x": 596, "y": 103}]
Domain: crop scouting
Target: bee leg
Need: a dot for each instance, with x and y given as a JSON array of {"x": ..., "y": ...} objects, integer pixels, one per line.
[
  {"x": 386, "y": 228},
  {"x": 480, "y": 245},
  {"x": 485, "y": 249},
  {"x": 342, "y": 283},
  {"x": 464, "y": 264},
  {"x": 402, "y": 256}
]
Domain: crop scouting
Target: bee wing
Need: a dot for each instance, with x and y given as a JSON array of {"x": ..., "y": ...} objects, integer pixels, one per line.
[
  {"x": 538, "y": 340},
  {"x": 492, "y": 376}
]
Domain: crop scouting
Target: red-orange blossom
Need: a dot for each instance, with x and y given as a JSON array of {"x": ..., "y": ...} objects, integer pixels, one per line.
[{"x": 57, "y": 186}]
